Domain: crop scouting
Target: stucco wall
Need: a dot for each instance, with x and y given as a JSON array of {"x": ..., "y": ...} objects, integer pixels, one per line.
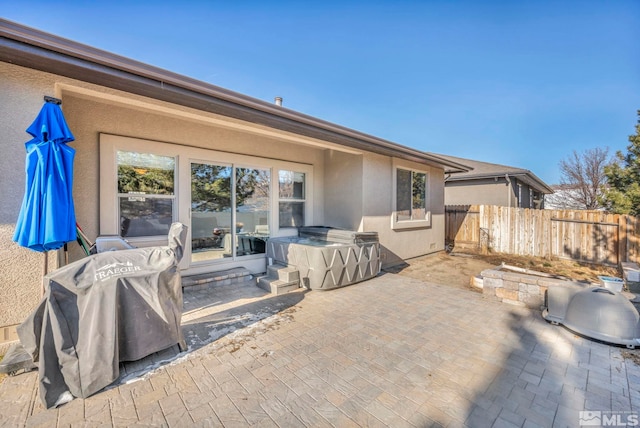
[
  {"x": 485, "y": 192},
  {"x": 490, "y": 192},
  {"x": 397, "y": 245},
  {"x": 343, "y": 190},
  {"x": 21, "y": 272}
]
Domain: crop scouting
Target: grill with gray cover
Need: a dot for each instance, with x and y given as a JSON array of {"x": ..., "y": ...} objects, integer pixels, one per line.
[{"x": 106, "y": 308}]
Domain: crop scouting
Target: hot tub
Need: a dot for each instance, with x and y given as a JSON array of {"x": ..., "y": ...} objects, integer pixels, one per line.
[{"x": 328, "y": 258}]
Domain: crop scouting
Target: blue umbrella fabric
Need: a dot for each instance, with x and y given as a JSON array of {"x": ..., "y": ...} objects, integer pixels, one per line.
[{"x": 47, "y": 217}]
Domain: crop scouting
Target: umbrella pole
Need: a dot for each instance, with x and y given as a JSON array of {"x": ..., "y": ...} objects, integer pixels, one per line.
[{"x": 45, "y": 268}]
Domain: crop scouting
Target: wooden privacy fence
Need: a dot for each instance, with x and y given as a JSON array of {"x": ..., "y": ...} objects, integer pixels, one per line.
[{"x": 586, "y": 236}]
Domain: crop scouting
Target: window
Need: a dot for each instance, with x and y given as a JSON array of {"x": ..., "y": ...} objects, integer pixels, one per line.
[
  {"x": 531, "y": 199},
  {"x": 146, "y": 193},
  {"x": 519, "y": 204},
  {"x": 292, "y": 199},
  {"x": 411, "y": 204}
]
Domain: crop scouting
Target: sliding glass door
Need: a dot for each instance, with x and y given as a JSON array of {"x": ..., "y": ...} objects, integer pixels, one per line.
[{"x": 229, "y": 211}]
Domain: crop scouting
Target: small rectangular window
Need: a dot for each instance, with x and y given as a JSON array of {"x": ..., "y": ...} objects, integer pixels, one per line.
[
  {"x": 292, "y": 200},
  {"x": 146, "y": 197},
  {"x": 411, "y": 193},
  {"x": 411, "y": 209}
]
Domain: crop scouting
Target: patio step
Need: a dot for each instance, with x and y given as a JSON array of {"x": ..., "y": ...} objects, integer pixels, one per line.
[
  {"x": 280, "y": 279},
  {"x": 276, "y": 286},
  {"x": 283, "y": 273},
  {"x": 215, "y": 279}
]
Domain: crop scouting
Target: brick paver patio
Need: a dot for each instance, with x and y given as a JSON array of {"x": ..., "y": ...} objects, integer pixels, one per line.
[{"x": 391, "y": 351}]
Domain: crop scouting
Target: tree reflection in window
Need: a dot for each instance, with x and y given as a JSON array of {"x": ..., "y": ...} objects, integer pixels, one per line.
[
  {"x": 411, "y": 195},
  {"x": 146, "y": 185},
  {"x": 145, "y": 173},
  {"x": 292, "y": 198},
  {"x": 210, "y": 187}
]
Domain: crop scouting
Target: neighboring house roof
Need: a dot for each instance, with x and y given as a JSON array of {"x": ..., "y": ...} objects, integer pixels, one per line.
[
  {"x": 35, "y": 49},
  {"x": 483, "y": 170}
]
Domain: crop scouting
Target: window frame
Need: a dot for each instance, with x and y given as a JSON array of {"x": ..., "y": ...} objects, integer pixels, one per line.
[
  {"x": 411, "y": 223},
  {"x": 109, "y": 220},
  {"x": 294, "y": 200},
  {"x": 154, "y": 196}
]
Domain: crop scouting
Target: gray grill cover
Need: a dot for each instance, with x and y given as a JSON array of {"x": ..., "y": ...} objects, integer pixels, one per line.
[{"x": 106, "y": 308}]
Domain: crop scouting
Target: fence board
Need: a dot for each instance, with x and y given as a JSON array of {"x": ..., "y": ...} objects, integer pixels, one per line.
[
  {"x": 462, "y": 225},
  {"x": 587, "y": 236}
]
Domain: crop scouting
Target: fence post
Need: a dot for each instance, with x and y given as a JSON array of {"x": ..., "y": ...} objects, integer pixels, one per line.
[
  {"x": 549, "y": 223},
  {"x": 483, "y": 230},
  {"x": 622, "y": 239}
]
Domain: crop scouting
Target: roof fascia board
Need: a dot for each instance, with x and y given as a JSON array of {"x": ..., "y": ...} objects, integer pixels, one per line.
[
  {"x": 525, "y": 176},
  {"x": 487, "y": 175}
]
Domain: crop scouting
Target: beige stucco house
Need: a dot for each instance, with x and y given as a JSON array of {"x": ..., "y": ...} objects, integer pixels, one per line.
[
  {"x": 153, "y": 147},
  {"x": 493, "y": 184}
]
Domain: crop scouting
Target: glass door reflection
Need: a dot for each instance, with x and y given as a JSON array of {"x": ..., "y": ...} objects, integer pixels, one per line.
[
  {"x": 252, "y": 210},
  {"x": 211, "y": 212}
]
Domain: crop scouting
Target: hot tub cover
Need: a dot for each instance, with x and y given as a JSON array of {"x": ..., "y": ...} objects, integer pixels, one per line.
[
  {"x": 594, "y": 312},
  {"x": 333, "y": 234},
  {"x": 106, "y": 308}
]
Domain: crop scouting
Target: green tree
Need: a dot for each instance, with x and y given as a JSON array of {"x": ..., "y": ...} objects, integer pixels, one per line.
[
  {"x": 622, "y": 195},
  {"x": 211, "y": 186},
  {"x": 134, "y": 179}
]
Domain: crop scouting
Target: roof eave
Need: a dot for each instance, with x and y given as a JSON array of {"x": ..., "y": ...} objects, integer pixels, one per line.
[{"x": 528, "y": 176}]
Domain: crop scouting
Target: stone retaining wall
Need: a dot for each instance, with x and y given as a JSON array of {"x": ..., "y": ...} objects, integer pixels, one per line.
[{"x": 519, "y": 288}]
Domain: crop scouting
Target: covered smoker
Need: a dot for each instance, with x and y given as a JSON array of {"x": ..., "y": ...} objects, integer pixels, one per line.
[{"x": 106, "y": 308}]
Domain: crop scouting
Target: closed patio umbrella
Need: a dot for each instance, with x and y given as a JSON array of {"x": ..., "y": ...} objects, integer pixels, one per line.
[{"x": 47, "y": 217}]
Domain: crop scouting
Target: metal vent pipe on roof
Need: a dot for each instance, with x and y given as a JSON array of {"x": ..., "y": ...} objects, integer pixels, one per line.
[{"x": 278, "y": 101}]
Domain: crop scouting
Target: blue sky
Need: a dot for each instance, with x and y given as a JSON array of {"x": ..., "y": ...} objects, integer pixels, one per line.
[{"x": 520, "y": 83}]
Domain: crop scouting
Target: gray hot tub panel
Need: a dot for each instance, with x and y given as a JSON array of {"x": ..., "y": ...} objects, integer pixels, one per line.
[{"x": 325, "y": 265}]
